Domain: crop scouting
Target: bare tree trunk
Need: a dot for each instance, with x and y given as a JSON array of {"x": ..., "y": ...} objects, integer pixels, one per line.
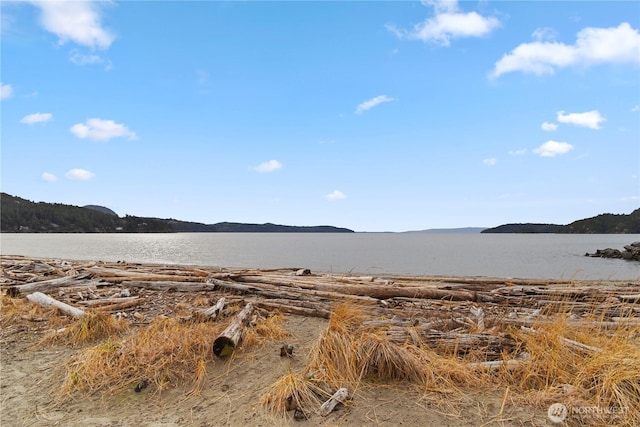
[{"x": 45, "y": 300}]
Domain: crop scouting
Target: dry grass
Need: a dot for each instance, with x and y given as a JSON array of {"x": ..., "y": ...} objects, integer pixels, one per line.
[
  {"x": 269, "y": 329},
  {"x": 601, "y": 371},
  {"x": 293, "y": 392},
  {"x": 164, "y": 354},
  {"x": 17, "y": 310},
  {"x": 382, "y": 360},
  {"x": 606, "y": 377},
  {"x": 90, "y": 328}
]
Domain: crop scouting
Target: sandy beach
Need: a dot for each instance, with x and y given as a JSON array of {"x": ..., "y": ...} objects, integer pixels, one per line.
[{"x": 417, "y": 377}]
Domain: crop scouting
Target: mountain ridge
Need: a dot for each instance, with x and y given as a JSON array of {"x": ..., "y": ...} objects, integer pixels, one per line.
[{"x": 21, "y": 215}]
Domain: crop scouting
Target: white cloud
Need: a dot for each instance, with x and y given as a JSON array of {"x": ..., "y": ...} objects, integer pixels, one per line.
[
  {"x": 6, "y": 91},
  {"x": 49, "y": 177},
  {"x": 36, "y": 118},
  {"x": 490, "y": 162},
  {"x": 268, "y": 166},
  {"x": 549, "y": 126},
  {"x": 367, "y": 105},
  {"x": 519, "y": 152},
  {"x": 590, "y": 119},
  {"x": 76, "y": 21},
  {"x": 79, "y": 174},
  {"x": 335, "y": 195},
  {"x": 635, "y": 108},
  {"x": 101, "y": 130},
  {"x": 553, "y": 148},
  {"x": 616, "y": 45},
  {"x": 448, "y": 23}
]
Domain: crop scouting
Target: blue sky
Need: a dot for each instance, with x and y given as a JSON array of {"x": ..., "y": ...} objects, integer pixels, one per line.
[{"x": 377, "y": 116}]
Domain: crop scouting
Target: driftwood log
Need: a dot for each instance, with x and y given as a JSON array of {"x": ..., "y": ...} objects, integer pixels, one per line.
[
  {"x": 374, "y": 290},
  {"x": 213, "y": 312},
  {"x": 45, "y": 300},
  {"x": 229, "y": 339},
  {"x": 50, "y": 284}
]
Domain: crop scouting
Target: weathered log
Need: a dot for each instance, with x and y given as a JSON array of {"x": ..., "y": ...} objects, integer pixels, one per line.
[
  {"x": 452, "y": 342},
  {"x": 229, "y": 339},
  {"x": 338, "y": 397},
  {"x": 45, "y": 300},
  {"x": 213, "y": 312},
  {"x": 168, "y": 285},
  {"x": 292, "y": 309},
  {"x": 107, "y": 301},
  {"x": 379, "y": 291},
  {"x": 51, "y": 284},
  {"x": 502, "y": 364},
  {"x": 121, "y": 306},
  {"x": 630, "y": 298},
  {"x": 115, "y": 275},
  {"x": 272, "y": 291}
]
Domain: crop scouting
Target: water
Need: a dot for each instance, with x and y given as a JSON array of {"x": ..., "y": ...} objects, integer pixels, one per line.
[{"x": 533, "y": 256}]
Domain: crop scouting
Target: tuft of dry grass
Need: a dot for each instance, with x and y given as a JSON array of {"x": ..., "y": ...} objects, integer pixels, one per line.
[
  {"x": 334, "y": 360},
  {"x": 293, "y": 392},
  {"x": 346, "y": 318},
  {"x": 380, "y": 359},
  {"x": 164, "y": 353},
  {"x": 90, "y": 328}
]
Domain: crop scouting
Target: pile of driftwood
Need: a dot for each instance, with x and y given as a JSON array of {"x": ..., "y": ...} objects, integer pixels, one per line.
[{"x": 452, "y": 314}]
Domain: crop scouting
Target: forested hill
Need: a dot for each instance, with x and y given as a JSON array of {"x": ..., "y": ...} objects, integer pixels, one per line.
[
  {"x": 601, "y": 224},
  {"x": 20, "y": 215}
]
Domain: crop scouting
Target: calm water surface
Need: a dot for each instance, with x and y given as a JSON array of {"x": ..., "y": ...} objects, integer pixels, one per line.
[{"x": 543, "y": 256}]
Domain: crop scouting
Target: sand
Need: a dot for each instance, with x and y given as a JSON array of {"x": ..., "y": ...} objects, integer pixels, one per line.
[{"x": 31, "y": 375}]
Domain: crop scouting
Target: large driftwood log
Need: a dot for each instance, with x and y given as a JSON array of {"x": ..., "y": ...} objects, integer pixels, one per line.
[
  {"x": 118, "y": 274},
  {"x": 168, "y": 285},
  {"x": 293, "y": 309},
  {"x": 45, "y": 300},
  {"x": 51, "y": 284},
  {"x": 377, "y": 291},
  {"x": 230, "y": 338},
  {"x": 272, "y": 291},
  {"x": 452, "y": 342}
]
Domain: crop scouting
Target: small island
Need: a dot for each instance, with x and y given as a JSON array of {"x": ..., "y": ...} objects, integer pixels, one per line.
[{"x": 601, "y": 224}]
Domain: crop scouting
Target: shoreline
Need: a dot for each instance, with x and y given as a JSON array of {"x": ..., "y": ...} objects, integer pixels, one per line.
[{"x": 472, "y": 336}]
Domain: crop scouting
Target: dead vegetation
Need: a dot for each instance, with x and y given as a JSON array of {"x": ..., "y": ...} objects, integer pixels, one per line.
[{"x": 541, "y": 342}]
